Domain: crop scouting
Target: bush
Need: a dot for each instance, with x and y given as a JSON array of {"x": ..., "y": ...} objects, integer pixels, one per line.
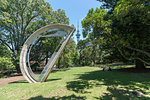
[{"x": 6, "y": 63}]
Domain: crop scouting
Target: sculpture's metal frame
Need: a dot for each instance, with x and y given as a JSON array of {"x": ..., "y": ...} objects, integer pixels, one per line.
[{"x": 62, "y": 30}]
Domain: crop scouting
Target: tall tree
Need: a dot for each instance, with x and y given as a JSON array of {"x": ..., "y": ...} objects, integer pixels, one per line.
[
  {"x": 95, "y": 27},
  {"x": 20, "y": 18},
  {"x": 49, "y": 45},
  {"x": 131, "y": 30},
  {"x": 81, "y": 46}
]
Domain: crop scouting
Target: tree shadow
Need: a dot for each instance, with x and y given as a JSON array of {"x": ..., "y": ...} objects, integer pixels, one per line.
[
  {"x": 17, "y": 82},
  {"x": 24, "y": 81},
  {"x": 53, "y": 71},
  {"x": 71, "y": 97},
  {"x": 79, "y": 86},
  {"x": 133, "y": 70},
  {"x": 20, "y": 81},
  {"x": 120, "y": 94},
  {"x": 129, "y": 81}
]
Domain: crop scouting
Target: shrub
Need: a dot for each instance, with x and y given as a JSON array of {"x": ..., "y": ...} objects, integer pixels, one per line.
[{"x": 6, "y": 63}]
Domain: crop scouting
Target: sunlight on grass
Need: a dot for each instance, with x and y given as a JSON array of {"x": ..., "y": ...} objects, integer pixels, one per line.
[{"x": 85, "y": 83}]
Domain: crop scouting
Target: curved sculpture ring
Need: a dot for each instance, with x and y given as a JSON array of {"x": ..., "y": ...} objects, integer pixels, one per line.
[{"x": 60, "y": 30}]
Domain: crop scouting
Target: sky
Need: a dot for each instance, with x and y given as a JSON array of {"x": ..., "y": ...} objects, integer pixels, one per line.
[{"x": 76, "y": 10}]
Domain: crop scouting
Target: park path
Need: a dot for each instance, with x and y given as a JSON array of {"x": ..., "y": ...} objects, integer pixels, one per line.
[{"x": 8, "y": 80}]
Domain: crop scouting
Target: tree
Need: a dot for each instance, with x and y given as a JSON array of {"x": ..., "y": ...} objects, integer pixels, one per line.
[
  {"x": 5, "y": 58},
  {"x": 20, "y": 18},
  {"x": 86, "y": 56},
  {"x": 80, "y": 46},
  {"x": 96, "y": 28},
  {"x": 69, "y": 56},
  {"x": 6, "y": 64},
  {"x": 108, "y": 4},
  {"x": 59, "y": 16},
  {"x": 131, "y": 31}
]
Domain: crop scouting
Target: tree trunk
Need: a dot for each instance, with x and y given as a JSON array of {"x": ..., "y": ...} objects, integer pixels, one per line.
[
  {"x": 18, "y": 68},
  {"x": 94, "y": 55},
  {"x": 47, "y": 58},
  {"x": 58, "y": 64},
  {"x": 80, "y": 59},
  {"x": 139, "y": 65}
]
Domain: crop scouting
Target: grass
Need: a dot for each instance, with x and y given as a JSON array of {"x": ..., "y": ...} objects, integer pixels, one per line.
[{"x": 81, "y": 83}]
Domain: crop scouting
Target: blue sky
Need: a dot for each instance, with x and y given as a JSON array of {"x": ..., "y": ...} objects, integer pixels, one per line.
[{"x": 76, "y": 10}]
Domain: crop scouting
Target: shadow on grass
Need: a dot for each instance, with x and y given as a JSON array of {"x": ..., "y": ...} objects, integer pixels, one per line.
[
  {"x": 54, "y": 71},
  {"x": 133, "y": 70},
  {"x": 71, "y": 97},
  {"x": 113, "y": 79},
  {"x": 24, "y": 81},
  {"x": 20, "y": 81},
  {"x": 17, "y": 82},
  {"x": 120, "y": 94}
]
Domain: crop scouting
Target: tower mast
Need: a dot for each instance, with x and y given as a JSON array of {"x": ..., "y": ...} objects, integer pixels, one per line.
[{"x": 78, "y": 34}]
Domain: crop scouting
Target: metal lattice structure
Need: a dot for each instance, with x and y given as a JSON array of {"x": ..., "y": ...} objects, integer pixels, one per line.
[{"x": 59, "y": 30}]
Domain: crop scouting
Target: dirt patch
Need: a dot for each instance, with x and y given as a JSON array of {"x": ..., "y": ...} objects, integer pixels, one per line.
[{"x": 8, "y": 80}]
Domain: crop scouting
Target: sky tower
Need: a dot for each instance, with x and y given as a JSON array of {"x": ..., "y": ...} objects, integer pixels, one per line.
[{"x": 78, "y": 34}]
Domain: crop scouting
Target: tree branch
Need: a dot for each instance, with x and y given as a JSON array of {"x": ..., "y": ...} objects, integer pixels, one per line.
[
  {"x": 138, "y": 50},
  {"x": 132, "y": 58},
  {"x": 7, "y": 45},
  {"x": 29, "y": 22},
  {"x": 22, "y": 19}
]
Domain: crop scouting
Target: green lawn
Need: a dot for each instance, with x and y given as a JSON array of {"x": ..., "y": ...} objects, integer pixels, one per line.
[{"x": 85, "y": 83}]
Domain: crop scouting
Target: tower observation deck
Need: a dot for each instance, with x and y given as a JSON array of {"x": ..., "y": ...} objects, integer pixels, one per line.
[{"x": 78, "y": 34}]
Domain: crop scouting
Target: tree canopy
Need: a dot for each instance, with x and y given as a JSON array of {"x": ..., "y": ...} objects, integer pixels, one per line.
[
  {"x": 131, "y": 30},
  {"x": 20, "y": 18},
  {"x": 122, "y": 26}
]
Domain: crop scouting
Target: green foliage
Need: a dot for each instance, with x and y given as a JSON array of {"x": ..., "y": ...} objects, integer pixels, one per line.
[
  {"x": 6, "y": 64},
  {"x": 86, "y": 56},
  {"x": 20, "y": 18},
  {"x": 97, "y": 30},
  {"x": 124, "y": 29},
  {"x": 4, "y": 51},
  {"x": 76, "y": 58},
  {"x": 108, "y": 4},
  {"x": 59, "y": 16},
  {"x": 70, "y": 55},
  {"x": 131, "y": 29},
  {"x": 94, "y": 23},
  {"x": 3, "y": 3},
  {"x": 85, "y": 52}
]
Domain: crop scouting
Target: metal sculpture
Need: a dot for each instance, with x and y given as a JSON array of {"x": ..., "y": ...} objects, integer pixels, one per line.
[{"x": 59, "y": 30}]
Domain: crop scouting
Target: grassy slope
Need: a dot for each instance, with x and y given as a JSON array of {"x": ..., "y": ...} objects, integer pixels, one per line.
[{"x": 88, "y": 83}]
